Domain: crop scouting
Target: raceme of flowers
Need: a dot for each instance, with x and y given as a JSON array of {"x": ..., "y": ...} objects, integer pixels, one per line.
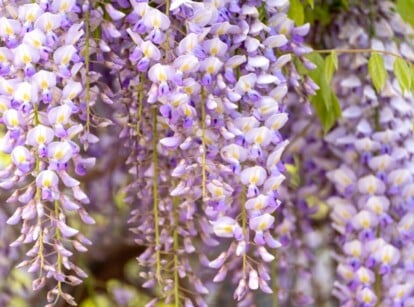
[
  {"x": 216, "y": 95},
  {"x": 43, "y": 108},
  {"x": 225, "y": 171},
  {"x": 372, "y": 211}
]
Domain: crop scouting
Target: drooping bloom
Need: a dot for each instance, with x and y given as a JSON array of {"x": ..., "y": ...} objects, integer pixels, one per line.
[
  {"x": 40, "y": 63},
  {"x": 375, "y": 167}
]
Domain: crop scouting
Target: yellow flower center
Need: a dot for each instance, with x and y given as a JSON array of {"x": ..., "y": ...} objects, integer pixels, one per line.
[
  {"x": 364, "y": 278},
  {"x": 30, "y": 17},
  {"x": 64, "y": 7},
  {"x": 9, "y": 30},
  {"x": 27, "y": 58},
  {"x": 58, "y": 154},
  {"x": 21, "y": 158},
  {"x": 227, "y": 228},
  {"x": 44, "y": 85},
  {"x": 258, "y": 205},
  {"x": 366, "y": 298},
  {"x": 60, "y": 119},
  {"x": 40, "y": 139},
  {"x": 254, "y": 179},
  {"x": 210, "y": 69},
  {"x": 218, "y": 191},
  {"x": 262, "y": 225}
]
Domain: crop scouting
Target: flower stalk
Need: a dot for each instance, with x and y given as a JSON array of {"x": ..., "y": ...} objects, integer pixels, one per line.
[{"x": 155, "y": 193}]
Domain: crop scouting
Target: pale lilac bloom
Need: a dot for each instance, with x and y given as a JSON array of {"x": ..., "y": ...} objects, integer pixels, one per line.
[
  {"x": 258, "y": 203},
  {"x": 63, "y": 6},
  {"x": 371, "y": 185},
  {"x": 22, "y": 158},
  {"x": 13, "y": 119},
  {"x": 6, "y": 58},
  {"x": 26, "y": 57},
  {"x": 59, "y": 153},
  {"x": 9, "y": 29},
  {"x": 267, "y": 107},
  {"x": 25, "y": 96},
  {"x": 253, "y": 280},
  {"x": 260, "y": 224},
  {"x": 406, "y": 225},
  {"x": 227, "y": 227},
  {"x": 45, "y": 81},
  {"x": 365, "y": 276},
  {"x": 185, "y": 64},
  {"x": 211, "y": 67},
  {"x": 353, "y": 248},
  {"x": 234, "y": 154},
  {"x": 366, "y": 296},
  {"x": 71, "y": 90},
  {"x": 48, "y": 23},
  {"x": 364, "y": 220},
  {"x": 276, "y": 121},
  {"x": 62, "y": 57},
  {"x": 261, "y": 136},
  {"x": 35, "y": 38},
  {"x": 113, "y": 13},
  {"x": 39, "y": 137},
  {"x": 400, "y": 292},
  {"x": 344, "y": 179},
  {"x": 218, "y": 190},
  {"x": 28, "y": 13},
  {"x": 272, "y": 184},
  {"x": 47, "y": 181},
  {"x": 160, "y": 75},
  {"x": 253, "y": 177},
  {"x": 387, "y": 256},
  {"x": 274, "y": 158},
  {"x": 215, "y": 47}
]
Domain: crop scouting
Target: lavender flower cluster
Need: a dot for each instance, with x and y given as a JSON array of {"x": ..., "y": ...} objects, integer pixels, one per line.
[
  {"x": 198, "y": 116},
  {"x": 43, "y": 110},
  {"x": 372, "y": 211}
]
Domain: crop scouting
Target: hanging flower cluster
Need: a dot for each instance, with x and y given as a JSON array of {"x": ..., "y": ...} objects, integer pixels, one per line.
[
  {"x": 307, "y": 159},
  {"x": 373, "y": 210},
  {"x": 211, "y": 154},
  {"x": 40, "y": 90},
  {"x": 207, "y": 89}
]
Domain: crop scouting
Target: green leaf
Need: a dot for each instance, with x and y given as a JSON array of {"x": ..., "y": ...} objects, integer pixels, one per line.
[
  {"x": 345, "y": 4},
  {"x": 311, "y": 3},
  {"x": 406, "y": 9},
  {"x": 97, "y": 300},
  {"x": 411, "y": 67},
  {"x": 324, "y": 102},
  {"x": 403, "y": 74},
  {"x": 377, "y": 71},
  {"x": 331, "y": 65},
  {"x": 296, "y": 12},
  {"x": 17, "y": 302}
]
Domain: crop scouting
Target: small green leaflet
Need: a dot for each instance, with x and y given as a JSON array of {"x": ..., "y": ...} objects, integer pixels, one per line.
[
  {"x": 406, "y": 9},
  {"x": 411, "y": 67},
  {"x": 403, "y": 74},
  {"x": 296, "y": 12},
  {"x": 331, "y": 65},
  {"x": 377, "y": 71},
  {"x": 325, "y": 102}
]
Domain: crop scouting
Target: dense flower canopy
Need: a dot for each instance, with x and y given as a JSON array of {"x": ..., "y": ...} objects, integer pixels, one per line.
[{"x": 214, "y": 145}]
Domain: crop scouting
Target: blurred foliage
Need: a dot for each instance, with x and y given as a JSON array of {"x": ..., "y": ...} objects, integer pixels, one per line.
[
  {"x": 322, "y": 12},
  {"x": 406, "y": 10},
  {"x": 325, "y": 102},
  {"x": 19, "y": 282}
]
